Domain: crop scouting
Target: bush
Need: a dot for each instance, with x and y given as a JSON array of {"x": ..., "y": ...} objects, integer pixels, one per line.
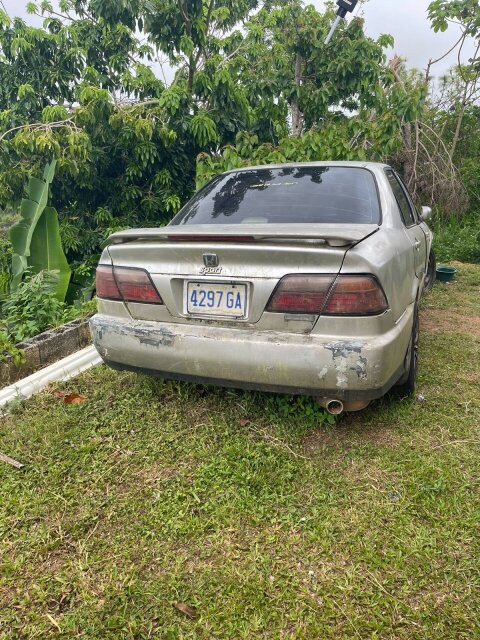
[
  {"x": 32, "y": 308},
  {"x": 8, "y": 349},
  {"x": 5, "y": 266},
  {"x": 458, "y": 238}
]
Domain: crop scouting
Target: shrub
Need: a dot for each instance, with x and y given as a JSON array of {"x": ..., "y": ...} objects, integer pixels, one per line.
[
  {"x": 458, "y": 238},
  {"x": 32, "y": 308},
  {"x": 7, "y": 348},
  {"x": 5, "y": 266}
]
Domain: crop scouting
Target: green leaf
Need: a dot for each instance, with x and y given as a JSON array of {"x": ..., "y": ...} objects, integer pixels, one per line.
[
  {"x": 31, "y": 210},
  {"x": 46, "y": 252}
]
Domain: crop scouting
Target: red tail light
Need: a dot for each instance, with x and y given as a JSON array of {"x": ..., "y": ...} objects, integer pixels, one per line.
[
  {"x": 106, "y": 284},
  {"x": 300, "y": 294},
  {"x": 345, "y": 295},
  {"x": 126, "y": 284},
  {"x": 187, "y": 238},
  {"x": 356, "y": 296}
]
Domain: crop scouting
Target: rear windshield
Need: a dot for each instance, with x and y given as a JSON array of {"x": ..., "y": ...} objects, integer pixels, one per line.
[{"x": 289, "y": 195}]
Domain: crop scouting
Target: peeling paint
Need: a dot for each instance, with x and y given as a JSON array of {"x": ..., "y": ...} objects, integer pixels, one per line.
[
  {"x": 361, "y": 368},
  {"x": 323, "y": 373},
  {"x": 341, "y": 366},
  {"x": 150, "y": 336},
  {"x": 344, "y": 349},
  {"x": 347, "y": 357}
]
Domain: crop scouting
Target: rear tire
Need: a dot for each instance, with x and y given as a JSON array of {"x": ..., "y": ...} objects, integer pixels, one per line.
[
  {"x": 431, "y": 274},
  {"x": 407, "y": 383}
]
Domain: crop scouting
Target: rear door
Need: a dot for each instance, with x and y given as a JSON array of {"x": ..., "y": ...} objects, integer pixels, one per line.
[{"x": 409, "y": 217}]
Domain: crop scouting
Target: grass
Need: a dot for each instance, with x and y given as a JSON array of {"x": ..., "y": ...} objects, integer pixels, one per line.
[
  {"x": 457, "y": 238},
  {"x": 267, "y": 521}
]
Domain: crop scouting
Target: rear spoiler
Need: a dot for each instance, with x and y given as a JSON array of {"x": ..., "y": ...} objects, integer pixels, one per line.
[{"x": 333, "y": 234}]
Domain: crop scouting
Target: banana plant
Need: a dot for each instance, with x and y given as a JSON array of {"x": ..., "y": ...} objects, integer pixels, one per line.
[{"x": 36, "y": 238}]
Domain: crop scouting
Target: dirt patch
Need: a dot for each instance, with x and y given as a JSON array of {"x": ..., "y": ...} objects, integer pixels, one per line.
[
  {"x": 349, "y": 433},
  {"x": 158, "y": 472},
  {"x": 449, "y": 321}
]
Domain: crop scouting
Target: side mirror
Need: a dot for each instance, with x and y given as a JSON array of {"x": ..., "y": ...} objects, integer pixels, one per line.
[{"x": 426, "y": 214}]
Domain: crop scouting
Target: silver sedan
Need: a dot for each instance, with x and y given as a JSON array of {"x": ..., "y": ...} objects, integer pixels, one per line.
[{"x": 296, "y": 278}]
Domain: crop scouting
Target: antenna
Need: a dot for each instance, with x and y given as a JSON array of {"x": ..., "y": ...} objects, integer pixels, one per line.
[{"x": 344, "y": 7}]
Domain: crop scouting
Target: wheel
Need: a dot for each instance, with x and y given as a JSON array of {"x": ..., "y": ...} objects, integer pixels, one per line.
[
  {"x": 431, "y": 274},
  {"x": 407, "y": 383}
]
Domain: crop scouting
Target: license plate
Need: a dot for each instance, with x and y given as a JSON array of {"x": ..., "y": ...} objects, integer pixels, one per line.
[{"x": 216, "y": 299}]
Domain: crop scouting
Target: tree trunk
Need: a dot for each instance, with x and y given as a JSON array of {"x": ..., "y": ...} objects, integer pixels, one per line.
[
  {"x": 458, "y": 129},
  {"x": 297, "y": 115},
  {"x": 191, "y": 73}
]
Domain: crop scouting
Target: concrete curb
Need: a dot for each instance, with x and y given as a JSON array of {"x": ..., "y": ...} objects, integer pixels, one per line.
[{"x": 45, "y": 349}]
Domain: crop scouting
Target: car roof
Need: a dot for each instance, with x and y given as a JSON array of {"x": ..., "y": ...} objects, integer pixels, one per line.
[{"x": 324, "y": 163}]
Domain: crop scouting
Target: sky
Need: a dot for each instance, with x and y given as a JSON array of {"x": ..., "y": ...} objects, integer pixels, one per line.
[{"x": 406, "y": 20}]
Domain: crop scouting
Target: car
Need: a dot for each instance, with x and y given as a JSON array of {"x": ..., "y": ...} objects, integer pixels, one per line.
[{"x": 298, "y": 278}]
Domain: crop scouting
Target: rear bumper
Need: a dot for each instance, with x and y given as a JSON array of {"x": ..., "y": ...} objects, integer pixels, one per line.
[{"x": 353, "y": 368}]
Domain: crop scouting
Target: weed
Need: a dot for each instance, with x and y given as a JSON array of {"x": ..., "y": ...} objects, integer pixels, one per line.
[{"x": 156, "y": 497}]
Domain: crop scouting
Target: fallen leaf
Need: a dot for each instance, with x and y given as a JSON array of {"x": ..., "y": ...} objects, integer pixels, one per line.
[
  {"x": 244, "y": 422},
  {"x": 60, "y": 394},
  {"x": 190, "y": 612},
  {"x": 53, "y": 621},
  {"x": 74, "y": 398}
]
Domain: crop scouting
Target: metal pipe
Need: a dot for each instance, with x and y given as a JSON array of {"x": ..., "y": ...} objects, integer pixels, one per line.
[
  {"x": 338, "y": 19},
  {"x": 335, "y": 407}
]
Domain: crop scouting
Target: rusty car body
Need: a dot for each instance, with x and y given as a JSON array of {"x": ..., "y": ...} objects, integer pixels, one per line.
[{"x": 299, "y": 278}]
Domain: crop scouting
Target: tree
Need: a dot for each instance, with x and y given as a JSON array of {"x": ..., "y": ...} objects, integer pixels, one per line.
[
  {"x": 466, "y": 15},
  {"x": 313, "y": 102},
  {"x": 252, "y": 81}
]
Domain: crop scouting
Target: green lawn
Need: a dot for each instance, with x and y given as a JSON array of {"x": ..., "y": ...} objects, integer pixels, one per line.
[{"x": 270, "y": 523}]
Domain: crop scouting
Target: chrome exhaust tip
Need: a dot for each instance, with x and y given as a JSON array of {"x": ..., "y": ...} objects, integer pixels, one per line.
[{"x": 334, "y": 407}]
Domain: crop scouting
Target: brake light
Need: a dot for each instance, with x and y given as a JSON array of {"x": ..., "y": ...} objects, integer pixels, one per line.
[
  {"x": 212, "y": 238},
  {"x": 356, "y": 296},
  {"x": 106, "y": 284},
  {"x": 300, "y": 294},
  {"x": 327, "y": 295},
  {"x": 126, "y": 284}
]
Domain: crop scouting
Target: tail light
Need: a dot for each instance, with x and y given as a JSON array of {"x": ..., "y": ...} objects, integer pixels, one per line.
[
  {"x": 300, "y": 294},
  {"x": 356, "y": 296},
  {"x": 126, "y": 284},
  {"x": 327, "y": 295}
]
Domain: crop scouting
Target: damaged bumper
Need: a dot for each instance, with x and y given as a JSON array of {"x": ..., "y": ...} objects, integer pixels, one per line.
[{"x": 349, "y": 369}]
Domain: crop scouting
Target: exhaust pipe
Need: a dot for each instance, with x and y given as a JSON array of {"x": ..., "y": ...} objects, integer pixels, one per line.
[{"x": 334, "y": 407}]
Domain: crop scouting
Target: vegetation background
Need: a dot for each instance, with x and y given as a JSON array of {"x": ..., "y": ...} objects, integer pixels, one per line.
[{"x": 253, "y": 82}]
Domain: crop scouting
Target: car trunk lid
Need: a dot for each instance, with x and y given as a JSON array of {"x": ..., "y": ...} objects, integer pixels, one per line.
[{"x": 255, "y": 255}]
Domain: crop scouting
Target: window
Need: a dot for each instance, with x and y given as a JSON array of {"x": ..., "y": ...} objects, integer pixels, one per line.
[
  {"x": 406, "y": 210},
  {"x": 288, "y": 195}
]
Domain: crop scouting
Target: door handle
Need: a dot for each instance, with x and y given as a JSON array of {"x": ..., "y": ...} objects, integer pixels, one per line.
[{"x": 417, "y": 245}]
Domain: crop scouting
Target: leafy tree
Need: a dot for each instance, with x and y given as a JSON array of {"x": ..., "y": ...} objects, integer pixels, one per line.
[
  {"x": 125, "y": 144},
  {"x": 465, "y": 81},
  {"x": 253, "y": 82}
]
